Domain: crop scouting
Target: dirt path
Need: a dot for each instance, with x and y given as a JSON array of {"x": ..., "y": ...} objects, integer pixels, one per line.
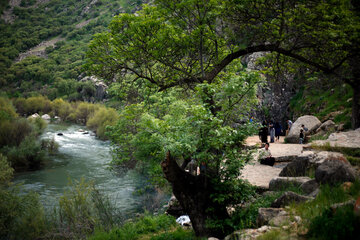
[{"x": 260, "y": 175}]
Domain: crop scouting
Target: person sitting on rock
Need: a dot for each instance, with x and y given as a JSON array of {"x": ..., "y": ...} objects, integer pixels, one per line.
[{"x": 265, "y": 156}]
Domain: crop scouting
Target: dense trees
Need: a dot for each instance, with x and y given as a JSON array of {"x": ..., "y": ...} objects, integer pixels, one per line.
[{"x": 193, "y": 45}]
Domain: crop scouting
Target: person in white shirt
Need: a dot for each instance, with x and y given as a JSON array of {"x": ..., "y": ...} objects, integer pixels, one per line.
[{"x": 266, "y": 157}]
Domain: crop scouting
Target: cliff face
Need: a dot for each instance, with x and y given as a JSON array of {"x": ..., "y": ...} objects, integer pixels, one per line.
[{"x": 274, "y": 97}]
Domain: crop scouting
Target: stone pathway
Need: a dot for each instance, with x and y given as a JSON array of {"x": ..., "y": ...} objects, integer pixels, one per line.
[{"x": 260, "y": 175}]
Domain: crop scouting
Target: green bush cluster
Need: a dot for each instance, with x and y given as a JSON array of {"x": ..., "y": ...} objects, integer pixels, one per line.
[{"x": 18, "y": 138}]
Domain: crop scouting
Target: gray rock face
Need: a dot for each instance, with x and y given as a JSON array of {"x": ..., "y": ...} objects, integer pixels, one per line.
[
  {"x": 266, "y": 214},
  {"x": 279, "y": 183},
  {"x": 349, "y": 139},
  {"x": 333, "y": 171},
  {"x": 310, "y": 122},
  {"x": 298, "y": 167},
  {"x": 309, "y": 186},
  {"x": 323, "y": 156},
  {"x": 329, "y": 124},
  {"x": 287, "y": 198}
]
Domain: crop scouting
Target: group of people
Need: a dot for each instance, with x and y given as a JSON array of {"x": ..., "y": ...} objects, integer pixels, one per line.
[{"x": 274, "y": 130}]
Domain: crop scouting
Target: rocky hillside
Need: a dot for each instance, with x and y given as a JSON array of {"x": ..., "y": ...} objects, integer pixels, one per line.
[{"x": 43, "y": 45}]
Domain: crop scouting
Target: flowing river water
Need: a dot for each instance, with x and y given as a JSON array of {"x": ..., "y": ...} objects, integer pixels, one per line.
[{"x": 84, "y": 156}]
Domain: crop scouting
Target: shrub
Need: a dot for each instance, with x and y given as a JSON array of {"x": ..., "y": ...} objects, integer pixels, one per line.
[
  {"x": 50, "y": 145},
  {"x": 12, "y": 133},
  {"x": 61, "y": 108},
  {"x": 84, "y": 110},
  {"x": 7, "y": 110},
  {"x": 21, "y": 215},
  {"x": 339, "y": 224},
  {"x": 100, "y": 119},
  {"x": 82, "y": 209},
  {"x": 28, "y": 155},
  {"x": 38, "y": 104},
  {"x": 6, "y": 171},
  {"x": 39, "y": 125}
]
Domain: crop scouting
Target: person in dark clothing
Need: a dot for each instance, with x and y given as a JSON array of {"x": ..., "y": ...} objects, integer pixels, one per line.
[
  {"x": 301, "y": 136},
  {"x": 263, "y": 133},
  {"x": 278, "y": 131},
  {"x": 272, "y": 131}
]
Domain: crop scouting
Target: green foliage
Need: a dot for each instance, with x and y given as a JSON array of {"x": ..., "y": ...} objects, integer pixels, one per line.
[
  {"x": 83, "y": 208},
  {"x": 323, "y": 102},
  {"x": 21, "y": 215},
  {"x": 6, "y": 172},
  {"x": 141, "y": 227},
  {"x": 102, "y": 118},
  {"x": 341, "y": 224},
  {"x": 178, "y": 234},
  {"x": 7, "y": 110}
]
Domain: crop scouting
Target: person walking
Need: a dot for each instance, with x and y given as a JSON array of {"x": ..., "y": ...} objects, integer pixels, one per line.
[
  {"x": 272, "y": 132},
  {"x": 278, "y": 131},
  {"x": 289, "y": 122},
  {"x": 263, "y": 133}
]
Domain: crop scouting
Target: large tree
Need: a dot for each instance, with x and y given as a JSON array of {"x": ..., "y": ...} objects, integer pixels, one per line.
[{"x": 193, "y": 44}]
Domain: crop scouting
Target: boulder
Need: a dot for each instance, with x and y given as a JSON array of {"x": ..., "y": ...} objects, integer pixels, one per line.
[
  {"x": 266, "y": 214},
  {"x": 349, "y": 139},
  {"x": 280, "y": 183},
  {"x": 309, "y": 186},
  {"x": 332, "y": 172},
  {"x": 287, "y": 198},
  {"x": 46, "y": 117},
  {"x": 328, "y": 125},
  {"x": 314, "y": 193},
  {"x": 298, "y": 167},
  {"x": 249, "y": 234},
  {"x": 310, "y": 122},
  {"x": 323, "y": 156},
  {"x": 174, "y": 208},
  {"x": 183, "y": 220},
  {"x": 35, "y": 115},
  {"x": 60, "y": 134}
]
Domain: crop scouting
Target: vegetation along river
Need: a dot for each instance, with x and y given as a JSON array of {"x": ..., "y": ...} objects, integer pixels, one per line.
[{"x": 84, "y": 156}]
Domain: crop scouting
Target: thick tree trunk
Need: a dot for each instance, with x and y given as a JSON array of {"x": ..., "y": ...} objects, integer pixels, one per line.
[
  {"x": 193, "y": 193},
  {"x": 355, "y": 117}
]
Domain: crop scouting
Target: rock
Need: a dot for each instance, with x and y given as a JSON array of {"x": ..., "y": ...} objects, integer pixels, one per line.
[
  {"x": 340, "y": 127},
  {"x": 328, "y": 125},
  {"x": 183, "y": 220},
  {"x": 332, "y": 115},
  {"x": 296, "y": 168},
  {"x": 310, "y": 122},
  {"x": 320, "y": 157},
  {"x": 81, "y": 130},
  {"x": 35, "y": 115},
  {"x": 279, "y": 183},
  {"x": 46, "y": 117},
  {"x": 86, "y": 132},
  {"x": 60, "y": 134},
  {"x": 309, "y": 186},
  {"x": 279, "y": 221},
  {"x": 349, "y": 139},
  {"x": 314, "y": 193},
  {"x": 213, "y": 238},
  {"x": 266, "y": 214},
  {"x": 287, "y": 198},
  {"x": 332, "y": 172},
  {"x": 174, "y": 208},
  {"x": 249, "y": 234},
  {"x": 335, "y": 206}
]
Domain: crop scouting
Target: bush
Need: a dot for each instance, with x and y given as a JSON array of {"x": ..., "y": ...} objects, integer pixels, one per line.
[
  {"x": 82, "y": 209},
  {"x": 6, "y": 172},
  {"x": 21, "y": 215},
  {"x": 100, "y": 119},
  {"x": 12, "y": 133},
  {"x": 7, "y": 110},
  {"x": 339, "y": 224},
  {"x": 84, "y": 111},
  {"x": 61, "y": 108},
  {"x": 28, "y": 155},
  {"x": 38, "y": 104}
]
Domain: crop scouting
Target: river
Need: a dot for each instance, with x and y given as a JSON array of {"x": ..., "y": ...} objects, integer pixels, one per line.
[{"x": 84, "y": 156}]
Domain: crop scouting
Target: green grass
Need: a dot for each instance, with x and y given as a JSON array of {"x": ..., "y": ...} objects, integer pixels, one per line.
[
  {"x": 352, "y": 152},
  {"x": 322, "y": 102},
  {"x": 147, "y": 227}
]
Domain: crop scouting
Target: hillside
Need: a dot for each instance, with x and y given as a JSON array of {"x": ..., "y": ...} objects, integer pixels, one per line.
[{"x": 43, "y": 45}]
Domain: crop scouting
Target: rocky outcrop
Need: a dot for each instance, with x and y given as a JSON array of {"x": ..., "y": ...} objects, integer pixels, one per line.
[
  {"x": 323, "y": 156},
  {"x": 287, "y": 198},
  {"x": 326, "y": 126},
  {"x": 309, "y": 186},
  {"x": 297, "y": 168},
  {"x": 310, "y": 122},
  {"x": 100, "y": 86},
  {"x": 46, "y": 117},
  {"x": 266, "y": 214},
  {"x": 280, "y": 183},
  {"x": 249, "y": 234},
  {"x": 349, "y": 139},
  {"x": 174, "y": 208},
  {"x": 333, "y": 172}
]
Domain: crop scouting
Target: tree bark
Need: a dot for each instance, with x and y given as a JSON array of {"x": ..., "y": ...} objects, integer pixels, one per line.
[
  {"x": 193, "y": 194},
  {"x": 355, "y": 116}
]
